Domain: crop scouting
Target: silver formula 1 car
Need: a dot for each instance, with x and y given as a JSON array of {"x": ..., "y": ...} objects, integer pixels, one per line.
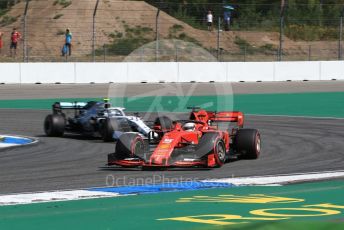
[{"x": 98, "y": 119}]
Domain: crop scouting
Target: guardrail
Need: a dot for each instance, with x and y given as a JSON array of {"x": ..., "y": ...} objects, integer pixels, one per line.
[
  {"x": 112, "y": 31},
  {"x": 153, "y": 72}
]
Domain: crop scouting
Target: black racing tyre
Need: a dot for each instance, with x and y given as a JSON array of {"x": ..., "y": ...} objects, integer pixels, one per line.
[
  {"x": 54, "y": 125},
  {"x": 129, "y": 145},
  {"x": 164, "y": 122},
  {"x": 106, "y": 130},
  {"x": 212, "y": 143},
  {"x": 220, "y": 152},
  {"x": 248, "y": 143}
]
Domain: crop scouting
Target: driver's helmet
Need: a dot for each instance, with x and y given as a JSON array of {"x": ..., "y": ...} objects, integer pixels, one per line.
[
  {"x": 107, "y": 105},
  {"x": 190, "y": 126}
]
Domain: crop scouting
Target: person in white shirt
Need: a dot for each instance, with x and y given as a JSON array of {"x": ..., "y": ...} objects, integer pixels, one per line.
[{"x": 210, "y": 21}]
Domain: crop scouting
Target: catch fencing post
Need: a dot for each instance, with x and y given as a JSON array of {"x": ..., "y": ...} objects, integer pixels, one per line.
[
  {"x": 25, "y": 32},
  {"x": 94, "y": 31},
  {"x": 104, "y": 47},
  {"x": 157, "y": 36},
  {"x": 218, "y": 38},
  {"x": 142, "y": 54},
  {"x": 245, "y": 53},
  {"x": 176, "y": 50},
  {"x": 340, "y": 35},
  {"x": 280, "y": 51},
  {"x": 162, "y": 5}
]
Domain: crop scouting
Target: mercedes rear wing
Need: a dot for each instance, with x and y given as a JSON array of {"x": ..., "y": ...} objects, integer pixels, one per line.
[{"x": 59, "y": 106}]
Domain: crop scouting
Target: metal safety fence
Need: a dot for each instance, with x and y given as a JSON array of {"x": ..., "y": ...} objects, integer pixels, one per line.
[{"x": 136, "y": 31}]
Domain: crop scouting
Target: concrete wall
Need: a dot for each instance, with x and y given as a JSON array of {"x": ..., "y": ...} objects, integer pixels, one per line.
[{"x": 169, "y": 72}]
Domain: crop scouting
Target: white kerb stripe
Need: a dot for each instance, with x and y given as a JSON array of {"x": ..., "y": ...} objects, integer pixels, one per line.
[
  {"x": 282, "y": 179},
  {"x": 29, "y": 198}
]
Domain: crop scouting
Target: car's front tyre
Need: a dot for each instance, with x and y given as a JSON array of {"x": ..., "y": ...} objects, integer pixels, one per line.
[
  {"x": 211, "y": 143},
  {"x": 130, "y": 145},
  {"x": 107, "y": 130}
]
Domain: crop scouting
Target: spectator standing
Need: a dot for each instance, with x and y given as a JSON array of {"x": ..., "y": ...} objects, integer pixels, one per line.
[
  {"x": 1, "y": 42},
  {"x": 227, "y": 19},
  {"x": 15, "y": 37},
  {"x": 68, "y": 41},
  {"x": 210, "y": 21},
  {"x": 227, "y": 15}
]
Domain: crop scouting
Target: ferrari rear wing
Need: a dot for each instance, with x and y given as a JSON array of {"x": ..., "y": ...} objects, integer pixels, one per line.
[{"x": 228, "y": 117}]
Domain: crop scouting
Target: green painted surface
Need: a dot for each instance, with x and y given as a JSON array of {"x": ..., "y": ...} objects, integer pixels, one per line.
[
  {"x": 37, "y": 103},
  {"x": 144, "y": 211},
  {"x": 297, "y": 104}
]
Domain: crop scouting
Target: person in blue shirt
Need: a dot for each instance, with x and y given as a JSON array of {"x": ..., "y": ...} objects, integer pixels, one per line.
[
  {"x": 227, "y": 19},
  {"x": 68, "y": 44}
]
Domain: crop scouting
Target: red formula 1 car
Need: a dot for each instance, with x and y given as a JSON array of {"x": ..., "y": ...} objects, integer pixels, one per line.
[{"x": 207, "y": 139}]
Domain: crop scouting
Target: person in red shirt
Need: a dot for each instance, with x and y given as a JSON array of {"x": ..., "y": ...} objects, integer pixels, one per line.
[{"x": 15, "y": 37}]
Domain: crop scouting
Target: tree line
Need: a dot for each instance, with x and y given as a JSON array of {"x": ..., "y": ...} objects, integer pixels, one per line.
[
  {"x": 313, "y": 12},
  {"x": 6, "y": 4},
  {"x": 304, "y": 19}
]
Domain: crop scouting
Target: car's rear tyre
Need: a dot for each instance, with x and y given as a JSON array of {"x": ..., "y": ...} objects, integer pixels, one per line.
[
  {"x": 164, "y": 122},
  {"x": 130, "y": 145},
  {"x": 248, "y": 143},
  {"x": 212, "y": 143},
  {"x": 107, "y": 130},
  {"x": 54, "y": 125}
]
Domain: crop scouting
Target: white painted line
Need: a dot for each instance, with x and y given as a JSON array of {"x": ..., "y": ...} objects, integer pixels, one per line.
[
  {"x": 29, "y": 198},
  {"x": 3, "y": 145},
  {"x": 281, "y": 179}
]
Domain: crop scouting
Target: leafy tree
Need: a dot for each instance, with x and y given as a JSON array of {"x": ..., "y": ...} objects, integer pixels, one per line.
[
  {"x": 5, "y": 4},
  {"x": 318, "y": 18}
]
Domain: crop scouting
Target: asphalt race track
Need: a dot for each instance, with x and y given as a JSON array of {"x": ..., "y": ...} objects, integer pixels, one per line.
[{"x": 290, "y": 145}]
